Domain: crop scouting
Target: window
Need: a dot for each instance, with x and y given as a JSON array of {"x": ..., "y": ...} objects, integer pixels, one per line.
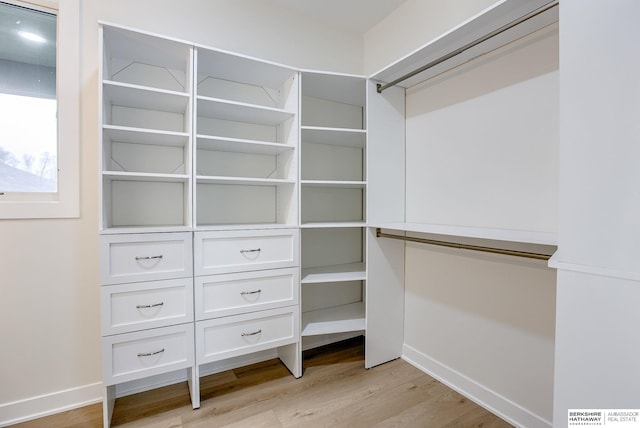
[{"x": 39, "y": 109}]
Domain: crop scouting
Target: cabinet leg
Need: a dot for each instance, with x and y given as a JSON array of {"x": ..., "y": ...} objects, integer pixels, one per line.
[
  {"x": 193, "y": 379},
  {"x": 108, "y": 402},
  {"x": 291, "y": 357}
]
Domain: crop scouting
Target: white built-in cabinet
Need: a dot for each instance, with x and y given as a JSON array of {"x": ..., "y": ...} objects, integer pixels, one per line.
[{"x": 233, "y": 209}]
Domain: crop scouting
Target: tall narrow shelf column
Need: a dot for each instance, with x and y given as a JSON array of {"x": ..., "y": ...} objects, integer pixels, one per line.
[
  {"x": 145, "y": 217},
  {"x": 246, "y": 255},
  {"x": 333, "y": 206}
]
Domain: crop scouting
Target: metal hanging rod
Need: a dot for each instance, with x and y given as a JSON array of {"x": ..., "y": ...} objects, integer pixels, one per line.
[
  {"x": 525, "y": 254},
  {"x": 380, "y": 87}
]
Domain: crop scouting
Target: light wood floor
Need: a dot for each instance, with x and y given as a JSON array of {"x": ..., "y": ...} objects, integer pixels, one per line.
[{"x": 335, "y": 391}]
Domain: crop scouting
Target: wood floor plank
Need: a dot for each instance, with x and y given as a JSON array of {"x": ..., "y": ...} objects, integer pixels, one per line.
[{"x": 335, "y": 391}]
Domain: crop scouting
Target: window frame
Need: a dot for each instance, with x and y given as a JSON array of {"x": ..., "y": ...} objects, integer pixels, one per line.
[{"x": 65, "y": 203}]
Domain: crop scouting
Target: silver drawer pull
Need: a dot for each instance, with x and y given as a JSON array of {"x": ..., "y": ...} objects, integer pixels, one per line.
[
  {"x": 154, "y": 305},
  {"x": 251, "y": 334},
  {"x": 244, "y": 293},
  {"x": 149, "y": 354},
  {"x": 148, "y": 257},
  {"x": 255, "y": 250}
]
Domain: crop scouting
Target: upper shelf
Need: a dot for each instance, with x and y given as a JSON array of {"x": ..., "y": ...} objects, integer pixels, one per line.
[
  {"x": 491, "y": 19},
  {"x": 521, "y": 236}
]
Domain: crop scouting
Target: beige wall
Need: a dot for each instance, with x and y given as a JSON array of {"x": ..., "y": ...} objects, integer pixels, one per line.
[{"x": 50, "y": 325}]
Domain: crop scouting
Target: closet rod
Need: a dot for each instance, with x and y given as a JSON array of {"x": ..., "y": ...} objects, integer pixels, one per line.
[
  {"x": 380, "y": 87},
  {"x": 526, "y": 254}
]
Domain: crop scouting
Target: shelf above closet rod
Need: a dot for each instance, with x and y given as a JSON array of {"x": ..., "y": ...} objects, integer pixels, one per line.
[
  {"x": 455, "y": 42},
  {"x": 525, "y": 254}
]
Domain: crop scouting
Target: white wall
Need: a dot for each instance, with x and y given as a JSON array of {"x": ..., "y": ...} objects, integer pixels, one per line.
[
  {"x": 50, "y": 327},
  {"x": 598, "y": 271},
  {"x": 482, "y": 140}
]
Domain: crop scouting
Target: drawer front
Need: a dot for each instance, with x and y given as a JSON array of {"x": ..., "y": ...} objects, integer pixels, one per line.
[
  {"x": 239, "y": 251},
  {"x": 143, "y": 305},
  {"x": 145, "y": 257},
  {"x": 136, "y": 355},
  {"x": 237, "y": 293},
  {"x": 228, "y": 337}
]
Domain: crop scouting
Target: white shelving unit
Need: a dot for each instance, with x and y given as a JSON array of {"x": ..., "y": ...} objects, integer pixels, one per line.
[
  {"x": 333, "y": 206},
  {"x": 145, "y": 223},
  {"x": 246, "y": 142},
  {"x": 146, "y": 131}
]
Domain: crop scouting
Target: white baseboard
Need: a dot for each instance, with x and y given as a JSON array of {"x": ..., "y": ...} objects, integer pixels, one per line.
[
  {"x": 490, "y": 400},
  {"x": 49, "y": 404}
]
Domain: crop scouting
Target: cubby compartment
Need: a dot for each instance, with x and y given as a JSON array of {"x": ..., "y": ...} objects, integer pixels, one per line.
[
  {"x": 145, "y": 201},
  {"x": 136, "y": 58},
  {"x": 239, "y": 79},
  {"x": 135, "y": 150},
  {"x": 333, "y": 101},
  {"x": 244, "y": 202},
  {"x": 330, "y": 202}
]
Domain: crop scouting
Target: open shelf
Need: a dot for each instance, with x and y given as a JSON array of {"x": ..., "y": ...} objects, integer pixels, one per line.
[
  {"x": 335, "y": 273},
  {"x": 204, "y": 179},
  {"x": 144, "y": 176},
  {"x": 334, "y": 184},
  {"x": 355, "y": 138},
  {"x": 493, "y": 18},
  {"x": 239, "y": 145},
  {"x": 328, "y": 225},
  {"x": 338, "y": 319},
  {"x": 217, "y": 108},
  {"x": 127, "y": 134},
  {"x": 144, "y": 97}
]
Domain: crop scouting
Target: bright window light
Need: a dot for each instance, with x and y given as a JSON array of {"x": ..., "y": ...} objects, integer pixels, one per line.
[
  {"x": 32, "y": 36},
  {"x": 28, "y": 144}
]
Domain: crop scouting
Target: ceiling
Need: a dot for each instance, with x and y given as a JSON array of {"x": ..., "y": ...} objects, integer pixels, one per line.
[
  {"x": 14, "y": 19},
  {"x": 355, "y": 16}
]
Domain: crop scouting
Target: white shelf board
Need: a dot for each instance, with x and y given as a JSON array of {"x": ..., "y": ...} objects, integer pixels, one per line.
[
  {"x": 145, "y": 176},
  {"x": 206, "y": 179},
  {"x": 144, "y": 229},
  {"x": 244, "y": 226},
  {"x": 136, "y": 96},
  {"x": 335, "y": 273},
  {"x": 339, "y": 319},
  {"x": 330, "y": 225},
  {"x": 124, "y": 134},
  {"x": 496, "y": 16},
  {"x": 334, "y": 183},
  {"x": 508, "y": 235},
  {"x": 224, "y": 65},
  {"x": 237, "y": 145},
  {"x": 217, "y": 108},
  {"x": 355, "y": 138},
  {"x": 341, "y": 88}
]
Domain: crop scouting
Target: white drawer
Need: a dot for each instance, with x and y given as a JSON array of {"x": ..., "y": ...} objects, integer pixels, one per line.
[
  {"x": 145, "y": 257},
  {"x": 140, "y": 354},
  {"x": 239, "y": 251},
  {"x": 143, "y": 305},
  {"x": 228, "y": 337},
  {"x": 238, "y": 293}
]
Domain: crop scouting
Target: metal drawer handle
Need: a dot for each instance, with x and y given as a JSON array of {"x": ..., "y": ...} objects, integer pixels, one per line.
[
  {"x": 255, "y": 250},
  {"x": 244, "y": 293},
  {"x": 149, "y": 306},
  {"x": 148, "y": 257},
  {"x": 149, "y": 354},
  {"x": 251, "y": 334}
]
